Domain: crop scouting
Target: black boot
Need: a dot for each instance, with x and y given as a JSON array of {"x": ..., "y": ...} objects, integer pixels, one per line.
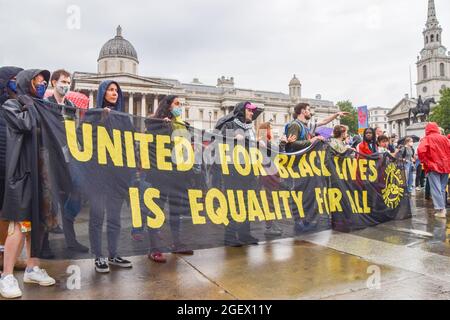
[
  {"x": 70, "y": 236},
  {"x": 46, "y": 251}
]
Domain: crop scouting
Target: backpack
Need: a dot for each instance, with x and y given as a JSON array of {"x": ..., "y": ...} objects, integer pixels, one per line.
[
  {"x": 302, "y": 129},
  {"x": 404, "y": 153}
]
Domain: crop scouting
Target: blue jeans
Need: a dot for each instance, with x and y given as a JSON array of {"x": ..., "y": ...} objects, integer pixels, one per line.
[
  {"x": 409, "y": 175},
  {"x": 438, "y": 183}
]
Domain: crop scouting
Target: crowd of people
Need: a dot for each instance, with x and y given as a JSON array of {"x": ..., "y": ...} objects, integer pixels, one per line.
[{"x": 19, "y": 91}]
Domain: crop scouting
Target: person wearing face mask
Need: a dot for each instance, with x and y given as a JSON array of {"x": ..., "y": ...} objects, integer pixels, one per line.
[
  {"x": 22, "y": 204},
  {"x": 8, "y": 84},
  {"x": 167, "y": 120},
  {"x": 8, "y": 90},
  {"x": 60, "y": 81}
]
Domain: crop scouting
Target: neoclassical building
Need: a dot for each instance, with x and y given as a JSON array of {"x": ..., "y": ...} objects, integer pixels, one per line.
[
  {"x": 378, "y": 118},
  {"x": 203, "y": 104},
  {"x": 433, "y": 73}
]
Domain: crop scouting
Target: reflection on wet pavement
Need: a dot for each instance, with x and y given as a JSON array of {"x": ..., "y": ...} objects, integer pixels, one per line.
[
  {"x": 411, "y": 256},
  {"x": 423, "y": 231}
]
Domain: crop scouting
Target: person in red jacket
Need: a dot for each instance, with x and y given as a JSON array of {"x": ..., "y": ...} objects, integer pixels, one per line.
[
  {"x": 368, "y": 146},
  {"x": 434, "y": 154}
]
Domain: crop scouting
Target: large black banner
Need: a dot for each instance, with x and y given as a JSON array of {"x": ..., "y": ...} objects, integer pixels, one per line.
[{"x": 132, "y": 185}]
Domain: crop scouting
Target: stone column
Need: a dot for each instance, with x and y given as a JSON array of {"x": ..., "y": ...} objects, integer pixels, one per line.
[
  {"x": 143, "y": 106},
  {"x": 91, "y": 99},
  {"x": 130, "y": 103},
  {"x": 155, "y": 103}
]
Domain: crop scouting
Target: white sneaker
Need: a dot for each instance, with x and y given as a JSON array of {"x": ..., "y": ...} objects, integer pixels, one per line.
[
  {"x": 9, "y": 287},
  {"x": 38, "y": 276},
  {"x": 441, "y": 214}
]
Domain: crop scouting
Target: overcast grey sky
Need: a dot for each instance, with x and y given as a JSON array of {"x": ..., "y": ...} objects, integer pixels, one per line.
[{"x": 343, "y": 49}]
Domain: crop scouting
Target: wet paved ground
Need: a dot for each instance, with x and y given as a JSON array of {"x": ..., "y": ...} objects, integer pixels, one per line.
[{"x": 413, "y": 257}]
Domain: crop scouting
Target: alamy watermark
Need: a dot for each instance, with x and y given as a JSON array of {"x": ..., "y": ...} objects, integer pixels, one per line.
[
  {"x": 73, "y": 21},
  {"x": 374, "y": 280},
  {"x": 73, "y": 282}
]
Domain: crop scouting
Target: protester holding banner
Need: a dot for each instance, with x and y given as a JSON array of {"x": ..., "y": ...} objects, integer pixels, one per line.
[
  {"x": 272, "y": 181},
  {"x": 434, "y": 154},
  {"x": 303, "y": 129},
  {"x": 368, "y": 146},
  {"x": 58, "y": 97},
  {"x": 168, "y": 121},
  {"x": 383, "y": 143},
  {"x": 109, "y": 199},
  {"x": 8, "y": 90},
  {"x": 238, "y": 126},
  {"x": 23, "y": 206},
  {"x": 60, "y": 81},
  {"x": 337, "y": 142}
]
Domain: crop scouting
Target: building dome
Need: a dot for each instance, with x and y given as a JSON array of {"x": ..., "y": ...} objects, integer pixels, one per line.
[
  {"x": 295, "y": 89},
  {"x": 295, "y": 82},
  {"x": 118, "y": 47}
]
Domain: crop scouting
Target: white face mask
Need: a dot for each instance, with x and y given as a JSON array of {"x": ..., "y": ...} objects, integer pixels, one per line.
[{"x": 62, "y": 89}]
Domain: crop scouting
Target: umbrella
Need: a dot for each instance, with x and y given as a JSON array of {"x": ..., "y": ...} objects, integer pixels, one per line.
[
  {"x": 414, "y": 137},
  {"x": 80, "y": 100},
  {"x": 325, "y": 132}
]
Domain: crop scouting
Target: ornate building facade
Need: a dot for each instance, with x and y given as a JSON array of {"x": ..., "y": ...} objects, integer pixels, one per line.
[
  {"x": 378, "y": 118},
  {"x": 433, "y": 73},
  {"x": 203, "y": 104}
]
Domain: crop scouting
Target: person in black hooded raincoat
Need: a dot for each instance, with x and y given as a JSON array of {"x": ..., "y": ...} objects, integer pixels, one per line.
[
  {"x": 22, "y": 205},
  {"x": 107, "y": 186},
  {"x": 8, "y": 90},
  {"x": 238, "y": 126}
]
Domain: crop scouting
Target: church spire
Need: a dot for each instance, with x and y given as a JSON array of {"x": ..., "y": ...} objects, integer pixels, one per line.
[
  {"x": 432, "y": 32},
  {"x": 432, "y": 20}
]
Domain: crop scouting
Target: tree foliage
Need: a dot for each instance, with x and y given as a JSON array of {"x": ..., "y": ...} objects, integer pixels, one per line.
[
  {"x": 352, "y": 120},
  {"x": 441, "y": 113}
]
